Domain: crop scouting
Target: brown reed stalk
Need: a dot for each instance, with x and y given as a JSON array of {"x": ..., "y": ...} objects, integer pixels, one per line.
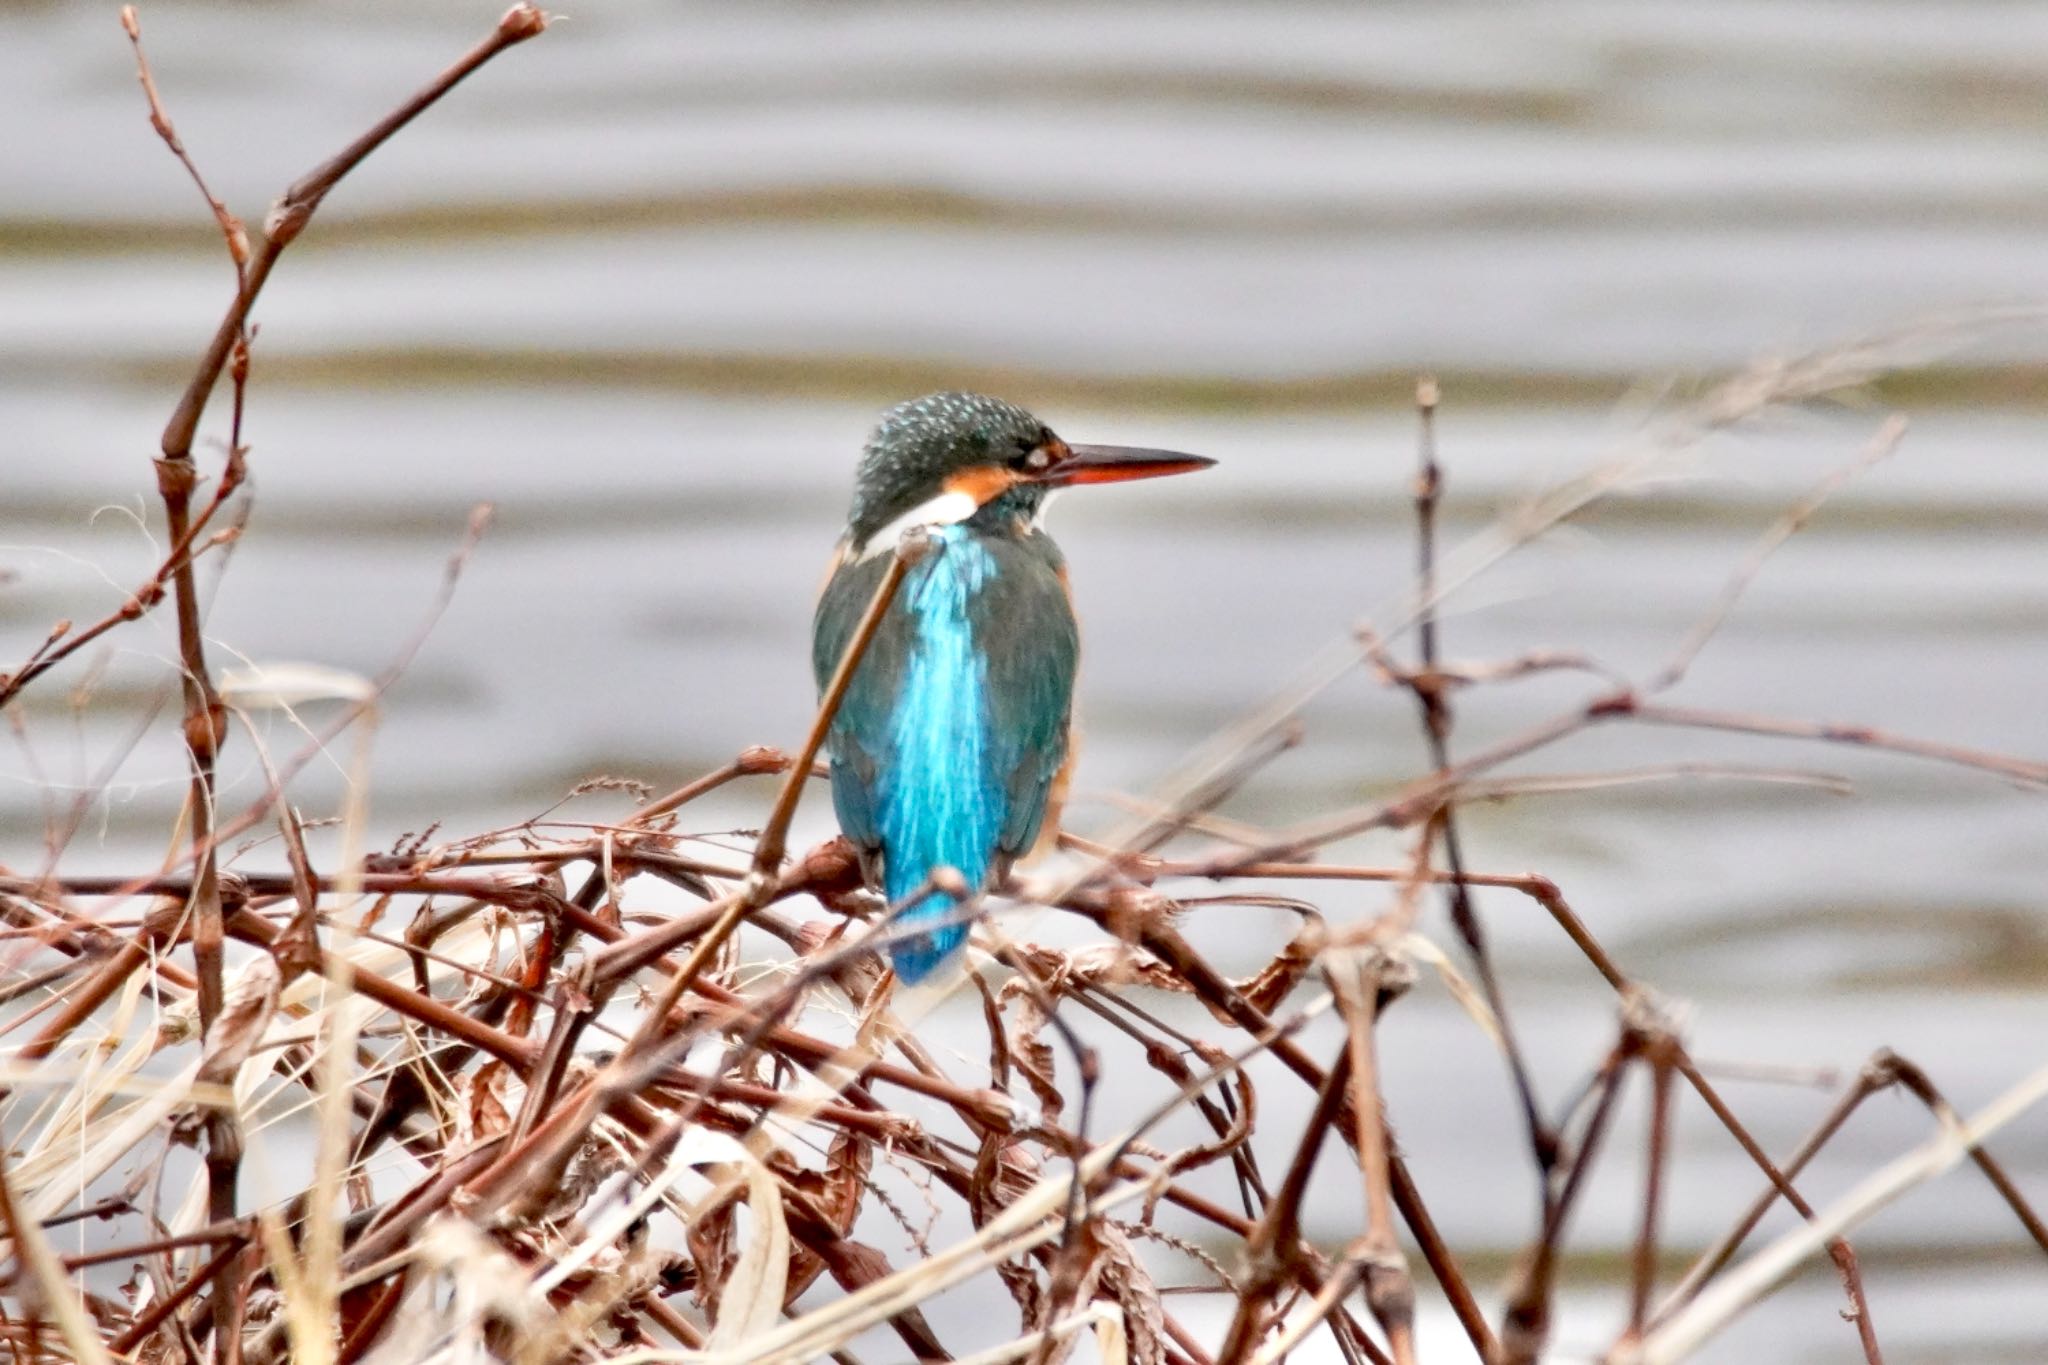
[{"x": 1433, "y": 699}]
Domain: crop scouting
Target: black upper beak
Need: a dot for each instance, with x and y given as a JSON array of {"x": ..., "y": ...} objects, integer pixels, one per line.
[{"x": 1115, "y": 464}]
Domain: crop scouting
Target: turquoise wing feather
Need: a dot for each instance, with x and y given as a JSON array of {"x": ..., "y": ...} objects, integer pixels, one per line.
[{"x": 954, "y": 728}]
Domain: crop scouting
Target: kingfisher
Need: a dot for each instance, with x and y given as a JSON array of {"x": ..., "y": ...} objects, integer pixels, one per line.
[{"x": 950, "y": 747}]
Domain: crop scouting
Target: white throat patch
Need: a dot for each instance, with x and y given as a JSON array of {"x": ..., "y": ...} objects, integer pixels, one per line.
[{"x": 946, "y": 509}]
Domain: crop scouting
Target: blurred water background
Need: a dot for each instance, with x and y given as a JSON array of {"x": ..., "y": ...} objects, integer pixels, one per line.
[{"x": 644, "y": 284}]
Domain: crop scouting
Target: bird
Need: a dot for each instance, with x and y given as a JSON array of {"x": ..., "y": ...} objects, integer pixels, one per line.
[{"x": 950, "y": 745}]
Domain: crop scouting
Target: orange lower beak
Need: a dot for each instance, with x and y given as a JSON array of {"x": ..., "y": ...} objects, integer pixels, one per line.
[{"x": 1116, "y": 464}]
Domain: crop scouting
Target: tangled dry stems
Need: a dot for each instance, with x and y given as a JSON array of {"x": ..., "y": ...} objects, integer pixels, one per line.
[{"x": 548, "y": 1125}]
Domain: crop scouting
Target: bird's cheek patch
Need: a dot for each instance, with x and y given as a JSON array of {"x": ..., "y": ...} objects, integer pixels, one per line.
[
  {"x": 946, "y": 509},
  {"x": 984, "y": 483}
]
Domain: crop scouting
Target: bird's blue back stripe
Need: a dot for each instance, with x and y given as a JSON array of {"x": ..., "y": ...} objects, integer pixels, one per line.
[{"x": 941, "y": 801}]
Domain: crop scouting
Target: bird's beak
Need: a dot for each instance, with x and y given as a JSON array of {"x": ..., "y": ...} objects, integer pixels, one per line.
[{"x": 1115, "y": 464}]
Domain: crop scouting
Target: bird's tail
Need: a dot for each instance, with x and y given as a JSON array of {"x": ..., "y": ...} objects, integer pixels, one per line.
[{"x": 917, "y": 956}]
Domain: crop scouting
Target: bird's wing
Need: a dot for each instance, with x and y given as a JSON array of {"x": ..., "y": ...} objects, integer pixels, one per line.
[
  {"x": 864, "y": 709},
  {"x": 1033, "y": 651},
  {"x": 1023, "y": 629}
]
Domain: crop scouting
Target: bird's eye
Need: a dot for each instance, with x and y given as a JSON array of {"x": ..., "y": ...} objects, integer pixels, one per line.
[{"x": 1037, "y": 459}]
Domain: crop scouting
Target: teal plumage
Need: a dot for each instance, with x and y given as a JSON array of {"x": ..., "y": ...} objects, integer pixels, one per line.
[
  {"x": 949, "y": 741},
  {"x": 946, "y": 745}
]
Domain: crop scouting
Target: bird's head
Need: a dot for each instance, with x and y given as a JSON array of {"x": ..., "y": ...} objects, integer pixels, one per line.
[{"x": 948, "y": 457}]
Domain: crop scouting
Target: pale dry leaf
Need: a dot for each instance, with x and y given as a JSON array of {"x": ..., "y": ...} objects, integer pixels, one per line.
[
  {"x": 460, "y": 1281},
  {"x": 1030, "y": 1221},
  {"x": 1022, "y": 1283},
  {"x": 1462, "y": 990},
  {"x": 1102, "y": 964},
  {"x": 1031, "y": 1345},
  {"x": 1112, "y": 1340},
  {"x": 245, "y": 1012},
  {"x": 618, "y": 1216},
  {"x": 80, "y": 1092},
  {"x": 1140, "y": 1327},
  {"x": 752, "y": 1297},
  {"x": 1280, "y": 976},
  {"x": 46, "y": 1282},
  {"x": 1033, "y": 1056},
  {"x": 1119, "y": 964},
  {"x": 52, "y": 1178},
  {"x": 283, "y": 685},
  {"x": 835, "y": 1193},
  {"x": 488, "y": 1116},
  {"x": 709, "y": 1237}
]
